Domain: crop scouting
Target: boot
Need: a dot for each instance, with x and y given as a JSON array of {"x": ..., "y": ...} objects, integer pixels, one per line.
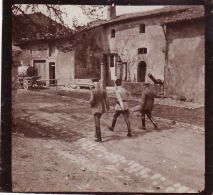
[
  {"x": 143, "y": 125},
  {"x": 111, "y": 128},
  {"x": 113, "y": 125},
  {"x": 98, "y": 140},
  {"x": 129, "y": 129},
  {"x": 98, "y": 135},
  {"x": 154, "y": 123}
]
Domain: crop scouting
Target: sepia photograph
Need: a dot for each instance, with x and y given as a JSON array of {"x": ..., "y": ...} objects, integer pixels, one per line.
[{"x": 107, "y": 98}]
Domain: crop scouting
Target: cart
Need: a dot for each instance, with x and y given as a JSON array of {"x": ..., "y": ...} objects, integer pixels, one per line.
[
  {"x": 28, "y": 77},
  {"x": 30, "y": 82}
]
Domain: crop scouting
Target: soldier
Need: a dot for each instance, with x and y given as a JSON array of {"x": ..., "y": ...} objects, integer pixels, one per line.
[
  {"x": 147, "y": 104},
  {"x": 99, "y": 103},
  {"x": 121, "y": 106}
]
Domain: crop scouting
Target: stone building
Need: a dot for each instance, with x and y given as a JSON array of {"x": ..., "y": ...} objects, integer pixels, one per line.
[
  {"x": 44, "y": 50},
  {"x": 166, "y": 42},
  {"x": 185, "y": 54}
]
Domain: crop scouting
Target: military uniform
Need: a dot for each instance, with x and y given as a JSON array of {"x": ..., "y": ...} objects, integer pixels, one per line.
[
  {"x": 99, "y": 104},
  {"x": 147, "y": 104},
  {"x": 122, "y": 107}
]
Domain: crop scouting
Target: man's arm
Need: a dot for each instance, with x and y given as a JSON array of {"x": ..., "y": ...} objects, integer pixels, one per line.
[
  {"x": 143, "y": 101},
  {"x": 119, "y": 99},
  {"x": 106, "y": 101},
  {"x": 92, "y": 99}
]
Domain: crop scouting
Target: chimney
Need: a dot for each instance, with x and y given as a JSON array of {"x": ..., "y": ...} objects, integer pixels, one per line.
[{"x": 111, "y": 12}]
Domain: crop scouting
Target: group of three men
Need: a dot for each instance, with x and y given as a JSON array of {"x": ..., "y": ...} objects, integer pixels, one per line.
[{"x": 100, "y": 104}]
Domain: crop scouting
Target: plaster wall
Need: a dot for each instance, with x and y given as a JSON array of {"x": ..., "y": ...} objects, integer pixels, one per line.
[
  {"x": 186, "y": 61},
  {"x": 65, "y": 68},
  {"x": 26, "y": 57},
  {"x": 64, "y": 62},
  {"x": 39, "y": 50},
  {"x": 128, "y": 39}
]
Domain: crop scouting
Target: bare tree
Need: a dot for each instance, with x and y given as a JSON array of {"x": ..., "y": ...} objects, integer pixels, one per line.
[
  {"x": 126, "y": 53},
  {"x": 35, "y": 21}
]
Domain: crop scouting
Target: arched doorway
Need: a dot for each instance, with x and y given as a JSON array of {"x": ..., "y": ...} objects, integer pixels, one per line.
[{"x": 141, "y": 72}]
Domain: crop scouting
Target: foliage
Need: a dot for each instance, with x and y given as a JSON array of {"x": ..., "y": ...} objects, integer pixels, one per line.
[{"x": 32, "y": 22}]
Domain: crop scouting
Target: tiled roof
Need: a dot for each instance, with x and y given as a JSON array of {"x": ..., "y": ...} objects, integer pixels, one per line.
[
  {"x": 195, "y": 12},
  {"x": 37, "y": 26},
  {"x": 177, "y": 12},
  {"x": 96, "y": 23}
]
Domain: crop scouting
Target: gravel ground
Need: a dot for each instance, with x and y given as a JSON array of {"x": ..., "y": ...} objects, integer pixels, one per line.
[
  {"x": 161, "y": 101},
  {"x": 176, "y": 111},
  {"x": 53, "y": 148}
]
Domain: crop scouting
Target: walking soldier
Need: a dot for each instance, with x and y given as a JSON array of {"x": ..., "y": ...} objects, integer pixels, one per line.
[
  {"x": 121, "y": 106},
  {"x": 147, "y": 104},
  {"x": 99, "y": 104}
]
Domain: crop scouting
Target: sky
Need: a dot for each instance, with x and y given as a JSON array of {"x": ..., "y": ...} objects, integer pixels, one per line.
[{"x": 75, "y": 11}]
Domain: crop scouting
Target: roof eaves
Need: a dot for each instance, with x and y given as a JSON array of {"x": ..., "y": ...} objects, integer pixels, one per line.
[
  {"x": 146, "y": 14},
  {"x": 182, "y": 20},
  {"x": 192, "y": 14}
]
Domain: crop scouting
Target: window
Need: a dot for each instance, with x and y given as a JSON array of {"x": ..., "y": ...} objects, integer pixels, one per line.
[
  {"x": 52, "y": 72},
  {"x": 142, "y": 28},
  {"x": 51, "y": 50},
  {"x": 142, "y": 50},
  {"x": 113, "y": 33},
  {"x": 112, "y": 61}
]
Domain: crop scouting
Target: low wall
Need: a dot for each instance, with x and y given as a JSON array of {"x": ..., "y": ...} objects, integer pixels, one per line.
[{"x": 137, "y": 88}]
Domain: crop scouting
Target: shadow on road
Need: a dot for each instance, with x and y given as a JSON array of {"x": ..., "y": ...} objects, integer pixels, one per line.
[
  {"x": 119, "y": 134},
  {"x": 30, "y": 130}
]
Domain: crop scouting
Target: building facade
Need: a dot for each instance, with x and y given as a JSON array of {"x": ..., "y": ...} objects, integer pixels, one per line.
[
  {"x": 185, "y": 63},
  {"x": 50, "y": 61},
  {"x": 168, "y": 43}
]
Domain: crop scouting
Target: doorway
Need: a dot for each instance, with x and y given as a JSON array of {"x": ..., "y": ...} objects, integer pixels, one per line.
[
  {"x": 113, "y": 66},
  {"x": 141, "y": 73},
  {"x": 52, "y": 72}
]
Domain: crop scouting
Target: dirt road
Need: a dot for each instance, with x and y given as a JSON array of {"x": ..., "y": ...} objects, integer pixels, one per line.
[{"x": 53, "y": 148}]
